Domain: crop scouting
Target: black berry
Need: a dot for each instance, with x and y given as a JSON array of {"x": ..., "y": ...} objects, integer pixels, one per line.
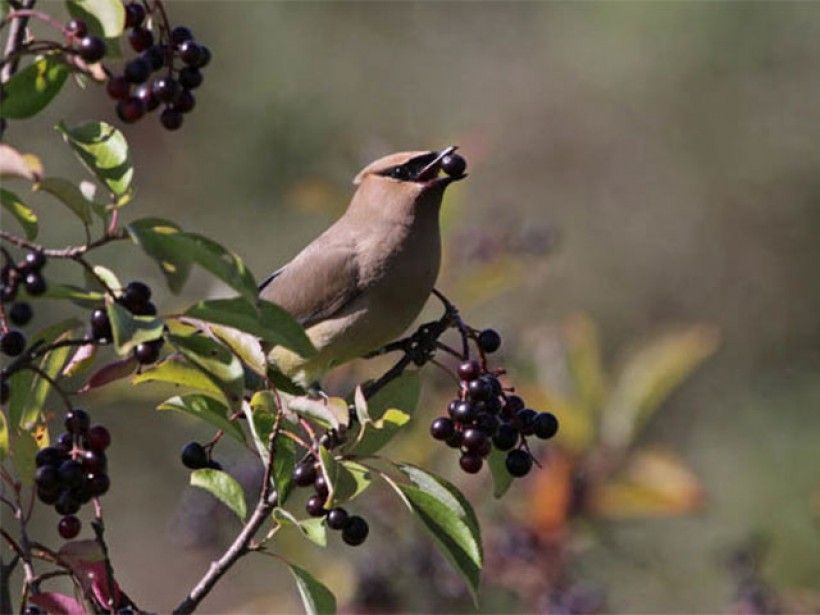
[
  {"x": 315, "y": 506},
  {"x": 69, "y": 527},
  {"x": 190, "y": 52},
  {"x": 147, "y": 97},
  {"x": 479, "y": 390},
  {"x": 545, "y": 425},
  {"x": 337, "y": 518},
  {"x": 77, "y": 421},
  {"x": 320, "y": 485},
  {"x": 35, "y": 284},
  {"x": 489, "y": 340},
  {"x": 71, "y": 473},
  {"x": 505, "y": 437},
  {"x": 92, "y": 49},
  {"x": 76, "y": 28},
  {"x": 456, "y": 440},
  {"x": 185, "y": 102},
  {"x": 171, "y": 118},
  {"x": 180, "y": 34},
  {"x": 140, "y": 39},
  {"x": 98, "y": 438},
  {"x": 512, "y": 405},
  {"x": 442, "y": 428},
  {"x": 194, "y": 456},
  {"x": 130, "y": 110},
  {"x": 137, "y": 70},
  {"x": 190, "y": 78},
  {"x": 473, "y": 439},
  {"x": 13, "y": 343},
  {"x": 48, "y": 456},
  {"x": 471, "y": 463},
  {"x": 67, "y": 503},
  {"x": 526, "y": 421},
  {"x": 47, "y": 477},
  {"x": 100, "y": 325},
  {"x": 355, "y": 531},
  {"x": 304, "y": 474},
  {"x": 98, "y": 484},
  {"x": 469, "y": 370},
  {"x": 93, "y": 462},
  {"x": 148, "y": 352},
  {"x": 118, "y": 88},
  {"x": 20, "y": 314},
  {"x": 463, "y": 412},
  {"x": 155, "y": 56},
  {"x": 165, "y": 89},
  {"x": 34, "y": 261},
  {"x": 134, "y": 14},
  {"x": 518, "y": 462},
  {"x": 206, "y": 57},
  {"x": 454, "y": 165}
]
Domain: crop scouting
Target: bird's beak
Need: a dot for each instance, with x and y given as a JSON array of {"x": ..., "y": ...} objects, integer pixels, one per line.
[{"x": 431, "y": 170}]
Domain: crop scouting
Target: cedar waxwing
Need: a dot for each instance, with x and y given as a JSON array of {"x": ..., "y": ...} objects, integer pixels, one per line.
[{"x": 362, "y": 282}]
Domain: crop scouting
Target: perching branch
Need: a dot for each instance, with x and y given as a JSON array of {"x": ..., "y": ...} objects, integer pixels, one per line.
[{"x": 69, "y": 252}]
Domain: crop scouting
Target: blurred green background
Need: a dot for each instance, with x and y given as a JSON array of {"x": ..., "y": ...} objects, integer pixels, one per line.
[{"x": 648, "y": 165}]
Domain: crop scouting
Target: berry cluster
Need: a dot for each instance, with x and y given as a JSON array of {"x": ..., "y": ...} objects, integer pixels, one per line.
[
  {"x": 136, "y": 298},
  {"x": 73, "y": 470},
  {"x": 486, "y": 416},
  {"x": 309, "y": 473},
  {"x": 90, "y": 48},
  {"x": 195, "y": 457},
  {"x": 27, "y": 273},
  {"x": 174, "y": 53}
]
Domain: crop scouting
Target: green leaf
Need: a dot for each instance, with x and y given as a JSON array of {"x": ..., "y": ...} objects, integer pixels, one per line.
[
  {"x": 502, "y": 479},
  {"x": 174, "y": 249},
  {"x": 23, "y": 451},
  {"x": 261, "y": 318},
  {"x": 31, "y": 89},
  {"x": 448, "y": 517},
  {"x": 313, "y": 529},
  {"x": 244, "y": 346},
  {"x": 82, "y": 359},
  {"x": 260, "y": 414},
  {"x": 316, "y": 598},
  {"x": 375, "y": 434},
  {"x": 4, "y": 437},
  {"x": 102, "y": 274},
  {"x": 345, "y": 479},
  {"x": 330, "y": 412},
  {"x": 68, "y": 194},
  {"x": 104, "y": 150},
  {"x": 51, "y": 365},
  {"x": 103, "y": 17},
  {"x": 25, "y": 216},
  {"x": 215, "y": 360},
  {"x": 130, "y": 330},
  {"x": 224, "y": 487},
  {"x": 20, "y": 385},
  {"x": 175, "y": 370},
  {"x": 401, "y": 393},
  {"x": 206, "y": 408},
  {"x": 75, "y": 294}
]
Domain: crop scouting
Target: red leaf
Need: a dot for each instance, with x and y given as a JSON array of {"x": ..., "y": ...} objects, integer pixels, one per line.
[
  {"x": 109, "y": 373},
  {"x": 58, "y": 604}
]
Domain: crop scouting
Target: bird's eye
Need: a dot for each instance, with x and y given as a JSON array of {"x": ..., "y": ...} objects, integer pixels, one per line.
[{"x": 401, "y": 172}]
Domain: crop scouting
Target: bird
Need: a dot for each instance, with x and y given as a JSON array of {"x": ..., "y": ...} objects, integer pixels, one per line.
[{"x": 364, "y": 280}]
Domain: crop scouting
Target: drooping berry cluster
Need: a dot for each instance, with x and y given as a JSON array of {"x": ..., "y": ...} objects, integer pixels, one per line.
[
  {"x": 28, "y": 274},
  {"x": 175, "y": 59},
  {"x": 485, "y": 416},
  {"x": 308, "y": 473},
  {"x": 136, "y": 298},
  {"x": 74, "y": 470},
  {"x": 90, "y": 48},
  {"x": 195, "y": 457}
]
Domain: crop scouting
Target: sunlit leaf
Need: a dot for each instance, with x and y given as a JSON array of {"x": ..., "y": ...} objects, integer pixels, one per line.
[
  {"x": 313, "y": 529},
  {"x": 176, "y": 370},
  {"x": 244, "y": 346},
  {"x": 149, "y": 234},
  {"x": 32, "y": 88},
  {"x": 207, "y": 409},
  {"x": 224, "y": 487},
  {"x": 327, "y": 412},
  {"x": 14, "y": 164},
  {"x": 316, "y": 598},
  {"x": 130, "y": 330},
  {"x": 104, "y": 150},
  {"x": 4, "y": 437},
  {"x": 24, "y": 216},
  {"x": 102, "y": 278},
  {"x": 375, "y": 434},
  {"x": 68, "y": 194},
  {"x": 647, "y": 379},
  {"x": 261, "y": 318},
  {"x": 401, "y": 393}
]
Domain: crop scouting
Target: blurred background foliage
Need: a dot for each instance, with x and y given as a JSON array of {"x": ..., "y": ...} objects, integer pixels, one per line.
[{"x": 640, "y": 223}]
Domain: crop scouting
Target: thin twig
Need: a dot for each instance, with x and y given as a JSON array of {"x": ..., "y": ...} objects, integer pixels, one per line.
[
  {"x": 68, "y": 252},
  {"x": 16, "y": 36},
  {"x": 99, "y": 533}
]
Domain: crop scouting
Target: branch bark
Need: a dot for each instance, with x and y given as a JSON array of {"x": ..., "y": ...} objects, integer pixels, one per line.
[{"x": 16, "y": 36}]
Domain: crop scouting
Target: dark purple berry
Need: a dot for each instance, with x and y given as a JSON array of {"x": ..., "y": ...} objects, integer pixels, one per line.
[
  {"x": 8, "y": 292},
  {"x": 77, "y": 421},
  {"x": 20, "y": 314},
  {"x": 471, "y": 462},
  {"x": 456, "y": 440},
  {"x": 505, "y": 437},
  {"x": 171, "y": 119},
  {"x": 489, "y": 340},
  {"x": 48, "y": 456},
  {"x": 118, "y": 88},
  {"x": 130, "y": 110},
  {"x": 512, "y": 405},
  {"x": 155, "y": 56},
  {"x": 463, "y": 412},
  {"x": 140, "y": 39},
  {"x": 93, "y": 462},
  {"x": 13, "y": 343},
  {"x": 185, "y": 102},
  {"x": 91, "y": 49},
  {"x": 469, "y": 370},
  {"x": 320, "y": 485},
  {"x": 137, "y": 70},
  {"x": 71, "y": 473},
  {"x": 67, "y": 503},
  {"x": 485, "y": 448},
  {"x": 442, "y": 428},
  {"x": 134, "y": 14},
  {"x": 65, "y": 442},
  {"x": 190, "y": 78},
  {"x": 194, "y": 456},
  {"x": 190, "y": 52},
  {"x": 146, "y": 309},
  {"x": 148, "y": 352},
  {"x": 98, "y": 484},
  {"x": 473, "y": 439},
  {"x": 69, "y": 527},
  {"x": 518, "y": 462},
  {"x": 35, "y": 284},
  {"x": 526, "y": 421},
  {"x": 100, "y": 325},
  {"x": 454, "y": 165},
  {"x": 76, "y": 28},
  {"x": 337, "y": 518},
  {"x": 48, "y": 496},
  {"x": 34, "y": 261},
  {"x": 206, "y": 57},
  {"x": 355, "y": 531},
  {"x": 165, "y": 89},
  {"x": 495, "y": 386},
  {"x": 479, "y": 389},
  {"x": 545, "y": 425},
  {"x": 487, "y": 423},
  {"x": 147, "y": 97},
  {"x": 180, "y": 34},
  {"x": 304, "y": 474},
  {"x": 315, "y": 506},
  {"x": 98, "y": 438},
  {"x": 47, "y": 477}
]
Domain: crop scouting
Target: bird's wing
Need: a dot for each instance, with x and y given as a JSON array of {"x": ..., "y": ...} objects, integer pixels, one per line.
[{"x": 316, "y": 284}]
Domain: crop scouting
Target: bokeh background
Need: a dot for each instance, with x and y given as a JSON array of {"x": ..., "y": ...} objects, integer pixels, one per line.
[{"x": 643, "y": 183}]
